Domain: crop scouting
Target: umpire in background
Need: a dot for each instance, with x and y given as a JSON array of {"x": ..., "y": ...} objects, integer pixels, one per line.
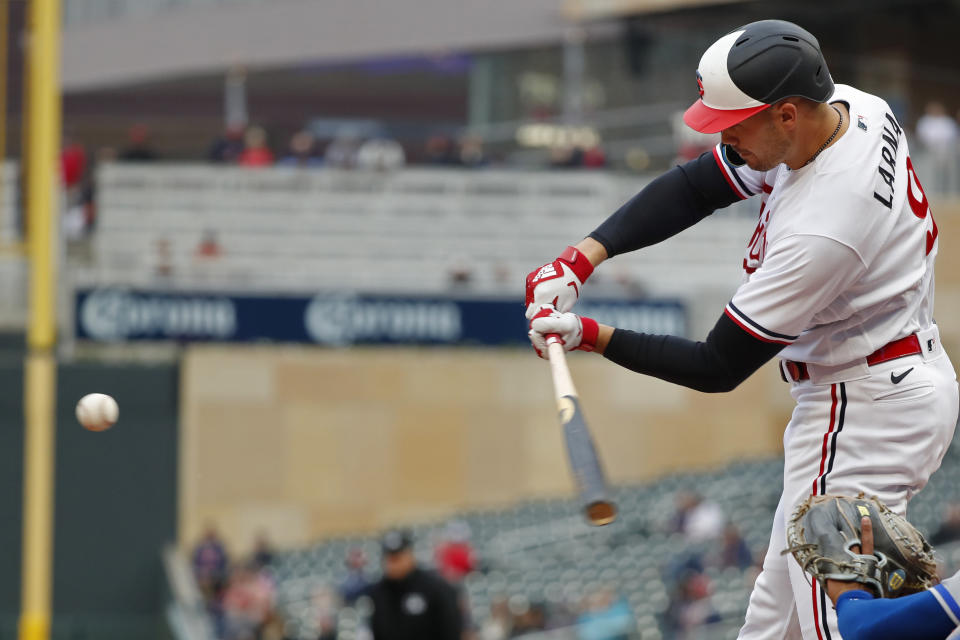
[{"x": 410, "y": 603}]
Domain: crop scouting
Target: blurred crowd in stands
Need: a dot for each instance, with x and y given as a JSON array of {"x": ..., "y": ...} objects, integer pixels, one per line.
[
  {"x": 937, "y": 137},
  {"x": 401, "y": 597},
  {"x": 241, "y": 595},
  {"x": 250, "y": 146}
]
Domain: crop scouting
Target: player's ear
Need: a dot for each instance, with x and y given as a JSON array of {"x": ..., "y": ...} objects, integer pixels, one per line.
[{"x": 786, "y": 113}]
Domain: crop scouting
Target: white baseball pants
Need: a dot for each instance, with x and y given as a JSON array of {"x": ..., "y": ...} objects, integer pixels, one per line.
[{"x": 865, "y": 433}]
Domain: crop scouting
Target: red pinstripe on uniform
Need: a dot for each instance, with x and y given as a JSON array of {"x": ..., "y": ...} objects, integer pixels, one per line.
[
  {"x": 826, "y": 436},
  {"x": 821, "y": 628},
  {"x": 816, "y": 610}
]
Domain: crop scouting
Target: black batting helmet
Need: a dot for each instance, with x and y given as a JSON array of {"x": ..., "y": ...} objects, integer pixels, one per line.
[{"x": 751, "y": 68}]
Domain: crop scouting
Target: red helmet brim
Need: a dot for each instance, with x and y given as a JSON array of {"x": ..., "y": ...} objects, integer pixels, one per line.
[{"x": 706, "y": 119}]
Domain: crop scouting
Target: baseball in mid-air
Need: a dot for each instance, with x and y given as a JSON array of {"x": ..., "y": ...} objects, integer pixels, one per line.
[{"x": 97, "y": 411}]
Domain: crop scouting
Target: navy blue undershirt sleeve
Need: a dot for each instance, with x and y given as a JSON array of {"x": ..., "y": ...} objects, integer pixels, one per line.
[
  {"x": 678, "y": 199},
  {"x": 726, "y": 358}
]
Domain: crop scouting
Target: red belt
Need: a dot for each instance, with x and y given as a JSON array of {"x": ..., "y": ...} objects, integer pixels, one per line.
[{"x": 909, "y": 346}]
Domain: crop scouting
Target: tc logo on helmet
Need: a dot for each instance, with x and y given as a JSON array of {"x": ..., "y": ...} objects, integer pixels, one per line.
[{"x": 700, "y": 83}]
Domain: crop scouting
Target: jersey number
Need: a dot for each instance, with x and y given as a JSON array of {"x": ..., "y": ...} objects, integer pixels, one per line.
[{"x": 919, "y": 204}]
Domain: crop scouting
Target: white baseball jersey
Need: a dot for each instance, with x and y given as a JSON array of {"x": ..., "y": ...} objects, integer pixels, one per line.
[{"x": 841, "y": 262}]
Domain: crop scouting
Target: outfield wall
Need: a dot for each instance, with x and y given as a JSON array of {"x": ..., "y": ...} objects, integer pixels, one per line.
[
  {"x": 115, "y": 507},
  {"x": 312, "y": 442}
]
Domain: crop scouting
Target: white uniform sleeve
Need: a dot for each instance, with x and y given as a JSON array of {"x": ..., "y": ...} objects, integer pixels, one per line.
[
  {"x": 800, "y": 275},
  {"x": 744, "y": 181}
]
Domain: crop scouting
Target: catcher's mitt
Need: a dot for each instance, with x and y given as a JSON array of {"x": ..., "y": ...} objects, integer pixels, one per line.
[{"x": 823, "y": 529}]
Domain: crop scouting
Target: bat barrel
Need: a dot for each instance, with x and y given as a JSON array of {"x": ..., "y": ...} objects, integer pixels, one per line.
[
  {"x": 584, "y": 461},
  {"x": 601, "y": 512},
  {"x": 585, "y": 464}
]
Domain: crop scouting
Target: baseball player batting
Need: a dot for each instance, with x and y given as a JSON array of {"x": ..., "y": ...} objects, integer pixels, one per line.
[{"x": 837, "y": 283}]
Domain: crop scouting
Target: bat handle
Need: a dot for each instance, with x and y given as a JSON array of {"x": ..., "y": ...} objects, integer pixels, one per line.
[{"x": 554, "y": 338}]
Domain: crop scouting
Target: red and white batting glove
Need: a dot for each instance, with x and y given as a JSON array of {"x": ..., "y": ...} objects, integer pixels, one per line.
[
  {"x": 575, "y": 332},
  {"x": 558, "y": 283}
]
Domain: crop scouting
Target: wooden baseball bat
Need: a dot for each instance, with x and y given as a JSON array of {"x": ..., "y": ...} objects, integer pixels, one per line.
[{"x": 584, "y": 462}]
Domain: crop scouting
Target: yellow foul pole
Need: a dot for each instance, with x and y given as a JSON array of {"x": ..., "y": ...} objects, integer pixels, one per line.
[{"x": 43, "y": 140}]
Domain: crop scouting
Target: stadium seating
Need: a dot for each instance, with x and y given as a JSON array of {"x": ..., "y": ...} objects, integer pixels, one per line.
[{"x": 296, "y": 230}]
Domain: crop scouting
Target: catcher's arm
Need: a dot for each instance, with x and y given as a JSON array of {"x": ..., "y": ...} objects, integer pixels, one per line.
[
  {"x": 927, "y": 615},
  {"x": 836, "y": 587}
]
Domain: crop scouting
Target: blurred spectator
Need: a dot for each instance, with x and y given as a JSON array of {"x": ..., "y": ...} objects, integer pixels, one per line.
[
  {"x": 227, "y": 148},
  {"x": 455, "y": 556},
  {"x": 138, "y": 147},
  {"x": 682, "y": 563},
  {"x": 460, "y": 274},
  {"x": 939, "y": 134},
  {"x": 302, "y": 151},
  {"x": 697, "y": 519},
  {"x": 247, "y": 603},
  {"x": 255, "y": 151},
  {"x": 606, "y": 617},
  {"x": 936, "y": 130},
  {"x": 949, "y": 529},
  {"x": 439, "y": 150},
  {"x": 73, "y": 162},
  {"x": 356, "y": 582},
  {"x": 210, "y": 561},
  {"x": 78, "y": 190},
  {"x": 566, "y": 157},
  {"x": 472, "y": 154},
  {"x": 411, "y": 603},
  {"x": 262, "y": 552},
  {"x": 341, "y": 153},
  {"x": 594, "y": 158},
  {"x": 163, "y": 259},
  {"x": 74, "y": 222},
  {"x": 734, "y": 551},
  {"x": 499, "y": 624},
  {"x": 527, "y": 617},
  {"x": 209, "y": 246},
  {"x": 380, "y": 154},
  {"x": 325, "y": 604},
  {"x": 690, "y": 606},
  {"x": 275, "y": 628},
  {"x": 87, "y": 198}
]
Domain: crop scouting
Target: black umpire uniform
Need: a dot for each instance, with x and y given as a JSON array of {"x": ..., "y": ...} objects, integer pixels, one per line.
[{"x": 410, "y": 603}]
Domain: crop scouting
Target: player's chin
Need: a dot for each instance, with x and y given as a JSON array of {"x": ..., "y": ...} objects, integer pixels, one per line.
[{"x": 756, "y": 163}]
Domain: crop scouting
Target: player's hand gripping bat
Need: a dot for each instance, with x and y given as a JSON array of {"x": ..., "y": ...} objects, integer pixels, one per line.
[{"x": 584, "y": 463}]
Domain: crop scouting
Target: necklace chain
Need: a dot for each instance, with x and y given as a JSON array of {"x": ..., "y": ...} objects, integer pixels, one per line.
[{"x": 828, "y": 140}]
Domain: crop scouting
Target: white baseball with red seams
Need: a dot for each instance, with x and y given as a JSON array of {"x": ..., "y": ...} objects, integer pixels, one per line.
[
  {"x": 840, "y": 266},
  {"x": 97, "y": 411}
]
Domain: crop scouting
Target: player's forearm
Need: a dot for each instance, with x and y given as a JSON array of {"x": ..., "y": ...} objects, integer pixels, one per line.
[
  {"x": 726, "y": 358},
  {"x": 671, "y": 203}
]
